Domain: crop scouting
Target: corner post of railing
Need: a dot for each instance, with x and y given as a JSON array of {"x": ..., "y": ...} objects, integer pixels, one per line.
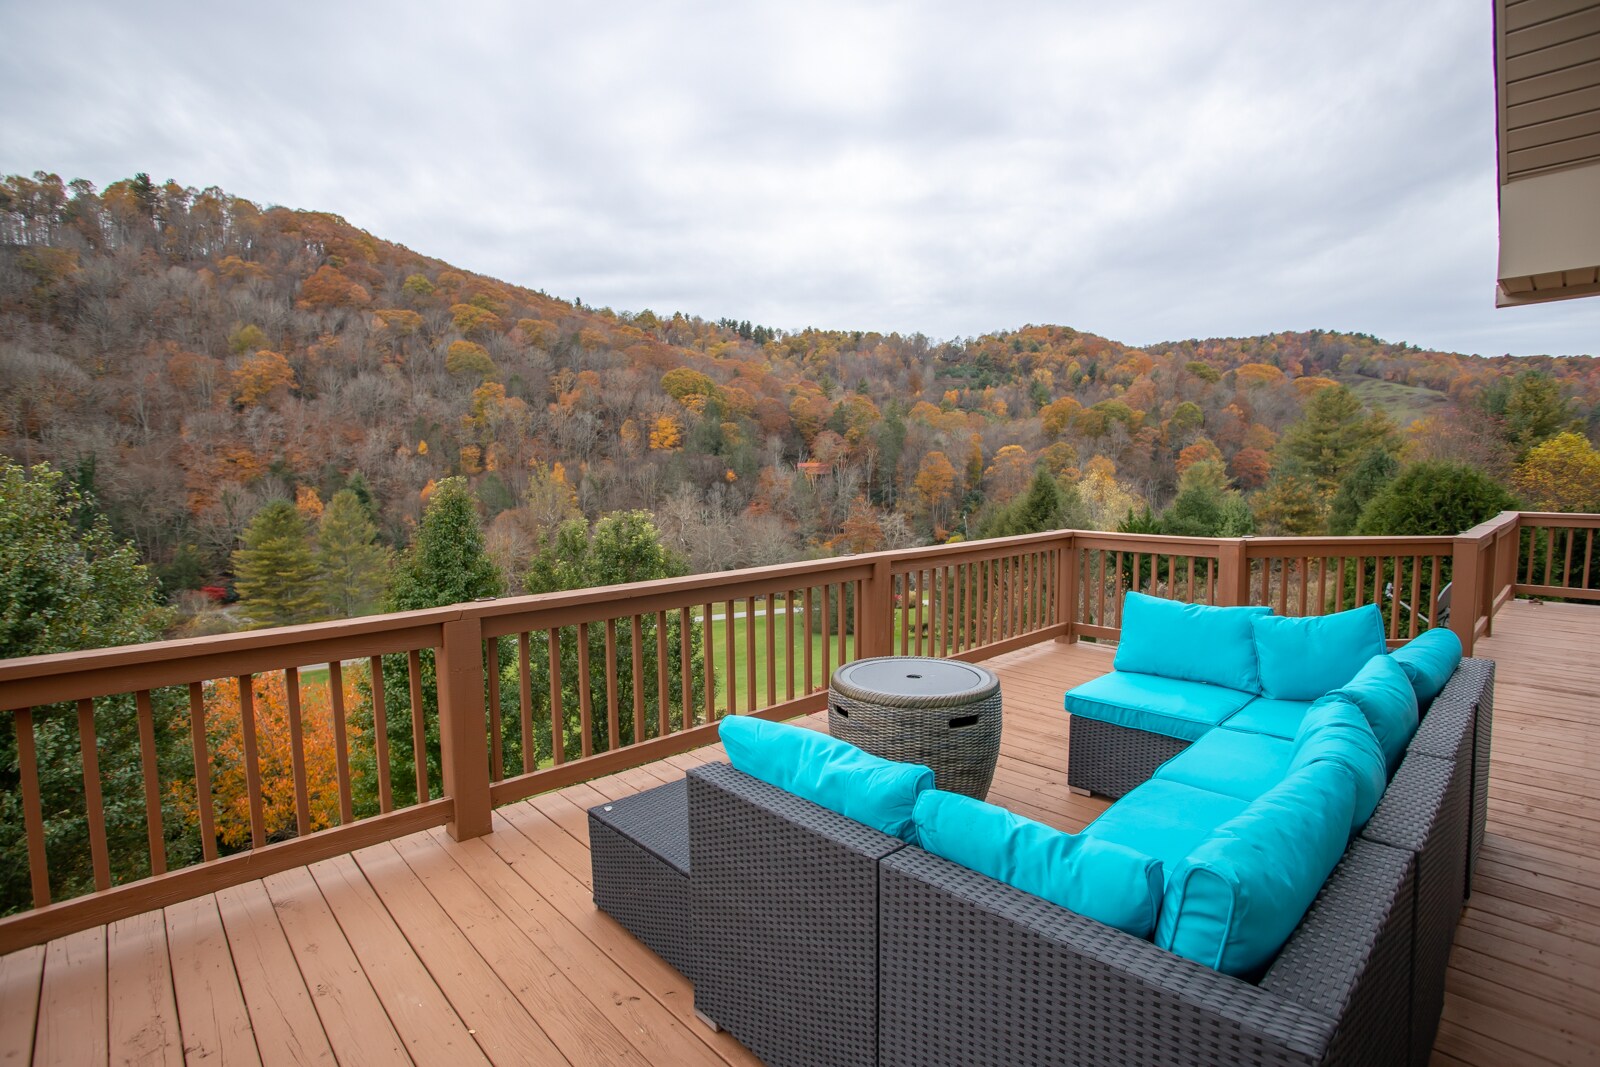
[
  {"x": 463, "y": 728},
  {"x": 1467, "y": 580},
  {"x": 877, "y": 610},
  {"x": 1233, "y": 572},
  {"x": 1067, "y": 587}
]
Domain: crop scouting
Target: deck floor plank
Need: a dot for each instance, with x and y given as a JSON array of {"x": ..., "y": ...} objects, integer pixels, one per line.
[
  {"x": 143, "y": 1015},
  {"x": 435, "y": 951},
  {"x": 211, "y": 1010}
]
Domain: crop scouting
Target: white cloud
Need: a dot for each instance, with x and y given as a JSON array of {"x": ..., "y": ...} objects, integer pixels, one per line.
[{"x": 1147, "y": 171}]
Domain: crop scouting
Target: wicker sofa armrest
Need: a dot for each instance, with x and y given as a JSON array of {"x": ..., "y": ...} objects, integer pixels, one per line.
[
  {"x": 1449, "y": 724},
  {"x": 976, "y": 972},
  {"x": 784, "y": 918}
]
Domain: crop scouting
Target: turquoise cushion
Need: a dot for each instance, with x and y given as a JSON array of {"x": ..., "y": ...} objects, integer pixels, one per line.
[
  {"x": 1241, "y": 765},
  {"x": 1301, "y": 659},
  {"x": 1263, "y": 715},
  {"x": 1168, "y": 706},
  {"x": 1429, "y": 659},
  {"x": 1238, "y": 896},
  {"x": 1190, "y": 641},
  {"x": 1100, "y": 879},
  {"x": 1165, "y": 820},
  {"x": 1334, "y": 729},
  {"x": 827, "y": 771},
  {"x": 1384, "y": 694}
]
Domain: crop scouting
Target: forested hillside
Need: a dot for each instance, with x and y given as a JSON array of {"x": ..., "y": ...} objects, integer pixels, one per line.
[{"x": 188, "y": 357}]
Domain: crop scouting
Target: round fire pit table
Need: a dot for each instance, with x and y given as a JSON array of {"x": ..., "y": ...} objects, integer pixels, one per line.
[{"x": 938, "y": 712}]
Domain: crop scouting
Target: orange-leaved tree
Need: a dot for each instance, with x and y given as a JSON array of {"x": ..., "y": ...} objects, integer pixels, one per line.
[{"x": 274, "y": 754}]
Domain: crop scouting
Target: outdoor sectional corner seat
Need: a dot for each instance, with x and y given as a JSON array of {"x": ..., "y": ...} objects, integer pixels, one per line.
[{"x": 1285, "y": 895}]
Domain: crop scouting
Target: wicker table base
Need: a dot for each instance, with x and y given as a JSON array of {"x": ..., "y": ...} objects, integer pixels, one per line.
[{"x": 941, "y": 713}]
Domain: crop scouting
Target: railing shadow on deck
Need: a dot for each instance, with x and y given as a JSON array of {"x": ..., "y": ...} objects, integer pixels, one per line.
[{"x": 436, "y": 717}]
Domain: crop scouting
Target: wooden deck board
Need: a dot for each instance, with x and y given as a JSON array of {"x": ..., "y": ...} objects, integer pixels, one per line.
[{"x": 431, "y": 950}]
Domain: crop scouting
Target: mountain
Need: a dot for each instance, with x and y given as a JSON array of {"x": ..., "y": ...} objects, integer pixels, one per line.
[{"x": 189, "y": 355}]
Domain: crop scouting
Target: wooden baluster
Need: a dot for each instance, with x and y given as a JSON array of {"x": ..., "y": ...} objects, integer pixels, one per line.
[
  {"x": 1361, "y": 580},
  {"x": 1322, "y": 585},
  {"x": 1433, "y": 594},
  {"x": 1527, "y": 570},
  {"x": 341, "y": 743},
  {"x": 530, "y": 746},
  {"x": 1566, "y": 568},
  {"x": 1211, "y": 581},
  {"x": 1099, "y": 568},
  {"x": 252, "y": 766},
  {"x": 750, "y": 653},
  {"x": 1116, "y": 589},
  {"x": 902, "y": 613},
  {"x": 919, "y": 589},
  {"x": 558, "y": 719},
  {"x": 772, "y": 649},
  {"x": 1397, "y": 587},
  {"x": 663, "y": 690},
  {"x": 827, "y": 645},
  {"x": 297, "y": 752},
  {"x": 32, "y": 809},
  {"x": 1283, "y": 584},
  {"x": 497, "y": 763},
  {"x": 1588, "y": 555},
  {"x": 939, "y": 637},
  {"x": 585, "y": 697},
  {"x": 613, "y": 726},
  {"x": 839, "y": 622},
  {"x": 1416, "y": 593},
  {"x": 709, "y": 645},
  {"x": 93, "y": 803},
  {"x": 202, "y": 771},
  {"x": 1305, "y": 575},
  {"x": 152, "y": 782},
  {"x": 805, "y": 637},
  {"x": 788, "y": 644},
  {"x": 1549, "y": 552},
  {"x": 685, "y": 654},
  {"x": 419, "y": 725},
  {"x": 380, "y": 729},
  {"x": 636, "y": 632}
]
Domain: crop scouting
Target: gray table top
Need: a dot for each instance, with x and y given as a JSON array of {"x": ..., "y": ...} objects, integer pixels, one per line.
[{"x": 915, "y": 676}]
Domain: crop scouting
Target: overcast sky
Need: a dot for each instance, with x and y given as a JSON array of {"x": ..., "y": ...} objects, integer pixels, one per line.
[{"x": 1146, "y": 171}]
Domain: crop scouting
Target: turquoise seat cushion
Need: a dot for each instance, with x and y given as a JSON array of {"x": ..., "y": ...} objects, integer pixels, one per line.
[
  {"x": 1235, "y": 764},
  {"x": 1264, "y": 715},
  {"x": 1334, "y": 729},
  {"x": 1194, "y": 642},
  {"x": 1165, "y": 820},
  {"x": 1301, "y": 659},
  {"x": 1101, "y": 879},
  {"x": 1236, "y": 898},
  {"x": 1384, "y": 694},
  {"x": 826, "y": 771},
  {"x": 1429, "y": 659},
  {"x": 1157, "y": 705}
]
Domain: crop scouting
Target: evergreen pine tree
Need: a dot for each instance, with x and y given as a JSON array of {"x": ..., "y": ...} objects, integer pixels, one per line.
[
  {"x": 1374, "y": 470},
  {"x": 275, "y": 573},
  {"x": 1047, "y": 505},
  {"x": 353, "y": 565},
  {"x": 1433, "y": 498},
  {"x": 1334, "y": 430}
]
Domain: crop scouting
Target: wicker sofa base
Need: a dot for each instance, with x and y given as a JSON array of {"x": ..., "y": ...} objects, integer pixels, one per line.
[
  {"x": 639, "y": 849},
  {"x": 1111, "y": 760}
]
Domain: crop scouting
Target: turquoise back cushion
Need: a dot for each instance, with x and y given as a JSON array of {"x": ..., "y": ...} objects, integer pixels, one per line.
[
  {"x": 1099, "y": 879},
  {"x": 1238, "y": 896},
  {"x": 1384, "y": 694},
  {"x": 1334, "y": 729},
  {"x": 1194, "y": 642},
  {"x": 1301, "y": 659},
  {"x": 1429, "y": 659},
  {"x": 829, "y": 772}
]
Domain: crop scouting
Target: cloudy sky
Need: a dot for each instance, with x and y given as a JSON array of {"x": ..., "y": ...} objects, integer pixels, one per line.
[{"x": 1147, "y": 171}]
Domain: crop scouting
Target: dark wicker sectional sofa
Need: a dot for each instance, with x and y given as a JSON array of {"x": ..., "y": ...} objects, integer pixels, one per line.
[{"x": 817, "y": 940}]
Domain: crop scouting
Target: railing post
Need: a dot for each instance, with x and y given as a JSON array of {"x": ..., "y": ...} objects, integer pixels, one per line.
[
  {"x": 1067, "y": 588},
  {"x": 1233, "y": 572},
  {"x": 1466, "y": 590},
  {"x": 463, "y": 728},
  {"x": 877, "y": 611}
]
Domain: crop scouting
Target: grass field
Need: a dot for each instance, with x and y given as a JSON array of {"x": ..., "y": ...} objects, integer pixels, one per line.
[{"x": 1405, "y": 404}]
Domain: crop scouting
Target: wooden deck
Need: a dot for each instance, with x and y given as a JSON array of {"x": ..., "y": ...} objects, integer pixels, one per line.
[{"x": 430, "y": 951}]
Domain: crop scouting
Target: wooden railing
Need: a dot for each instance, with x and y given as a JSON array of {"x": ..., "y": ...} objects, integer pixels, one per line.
[{"x": 193, "y": 765}]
